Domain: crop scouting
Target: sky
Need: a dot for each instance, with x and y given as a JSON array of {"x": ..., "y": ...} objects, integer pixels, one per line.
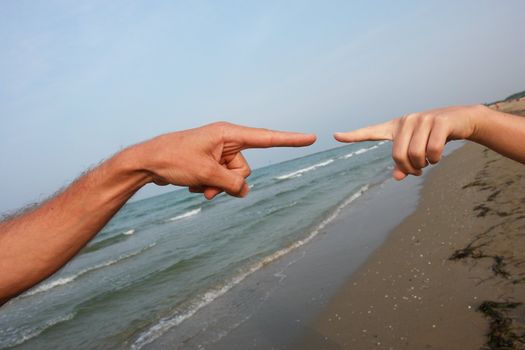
[{"x": 80, "y": 80}]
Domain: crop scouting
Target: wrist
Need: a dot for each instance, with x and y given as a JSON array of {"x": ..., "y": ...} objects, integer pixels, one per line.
[
  {"x": 155, "y": 158},
  {"x": 129, "y": 164},
  {"x": 479, "y": 119}
]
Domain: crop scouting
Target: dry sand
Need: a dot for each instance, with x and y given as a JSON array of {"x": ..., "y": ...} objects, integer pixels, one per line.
[
  {"x": 463, "y": 248},
  {"x": 516, "y": 106}
]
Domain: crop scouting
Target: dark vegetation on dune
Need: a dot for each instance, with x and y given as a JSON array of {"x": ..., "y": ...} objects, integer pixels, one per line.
[{"x": 515, "y": 96}]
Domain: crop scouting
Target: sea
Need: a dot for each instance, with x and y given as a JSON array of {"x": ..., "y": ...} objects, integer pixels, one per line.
[{"x": 161, "y": 261}]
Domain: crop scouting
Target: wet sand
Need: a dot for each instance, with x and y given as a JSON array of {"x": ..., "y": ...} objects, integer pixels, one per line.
[{"x": 451, "y": 276}]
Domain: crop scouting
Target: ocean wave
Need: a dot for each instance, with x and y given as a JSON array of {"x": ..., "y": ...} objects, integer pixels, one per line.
[
  {"x": 361, "y": 151},
  {"x": 100, "y": 244},
  {"x": 274, "y": 198},
  {"x": 167, "y": 323},
  {"x": 276, "y": 209},
  {"x": 66, "y": 280},
  {"x": 14, "y": 337},
  {"x": 186, "y": 214},
  {"x": 300, "y": 172},
  {"x": 262, "y": 216}
]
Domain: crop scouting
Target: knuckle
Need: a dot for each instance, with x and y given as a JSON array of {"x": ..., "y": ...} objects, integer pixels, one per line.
[
  {"x": 416, "y": 155},
  {"x": 434, "y": 153},
  {"x": 427, "y": 118},
  {"x": 221, "y": 124},
  {"x": 206, "y": 173},
  {"x": 237, "y": 184},
  {"x": 434, "y": 149},
  {"x": 440, "y": 119},
  {"x": 398, "y": 157},
  {"x": 396, "y": 121},
  {"x": 270, "y": 135},
  {"x": 218, "y": 129},
  {"x": 410, "y": 118}
]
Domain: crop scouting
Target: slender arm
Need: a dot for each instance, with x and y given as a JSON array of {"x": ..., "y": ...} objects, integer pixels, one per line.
[{"x": 502, "y": 132}]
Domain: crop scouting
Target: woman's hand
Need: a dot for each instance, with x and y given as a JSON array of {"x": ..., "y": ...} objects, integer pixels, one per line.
[{"x": 419, "y": 138}]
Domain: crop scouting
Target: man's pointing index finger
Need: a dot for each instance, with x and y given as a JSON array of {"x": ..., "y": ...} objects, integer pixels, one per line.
[{"x": 265, "y": 138}]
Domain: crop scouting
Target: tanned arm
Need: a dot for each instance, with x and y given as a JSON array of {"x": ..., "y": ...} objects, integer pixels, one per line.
[
  {"x": 208, "y": 160},
  {"x": 419, "y": 138},
  {"x": 35, "y": 245}
]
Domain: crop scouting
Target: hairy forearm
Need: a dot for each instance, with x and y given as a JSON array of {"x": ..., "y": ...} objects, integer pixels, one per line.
[
  {"x": 38, "y": 243},
  {"x": 207, "y": 159},
  {"x": 502, "y": 132}
]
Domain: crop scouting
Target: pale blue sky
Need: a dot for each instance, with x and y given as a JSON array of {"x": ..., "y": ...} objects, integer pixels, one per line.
[{"x": 81, "y": 79}]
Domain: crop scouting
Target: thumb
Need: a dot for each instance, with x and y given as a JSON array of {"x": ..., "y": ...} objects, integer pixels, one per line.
[{"x": 229, "y": 181}]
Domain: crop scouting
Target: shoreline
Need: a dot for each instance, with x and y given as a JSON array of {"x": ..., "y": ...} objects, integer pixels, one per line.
[
  {"x": 273, "y": 307},
  {"x": 458, "y": 258}
]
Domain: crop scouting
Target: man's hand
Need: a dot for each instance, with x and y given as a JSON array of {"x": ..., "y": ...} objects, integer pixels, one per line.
[
  {"x": 419, "y": 138},
  {"x": 208, "y": 159}
]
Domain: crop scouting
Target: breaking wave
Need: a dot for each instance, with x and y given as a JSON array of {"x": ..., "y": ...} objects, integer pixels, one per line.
[
  {"x": 186, "y": 214},
  {"x": 300, "y": 172},
  {"x": 66, "y": 280}
]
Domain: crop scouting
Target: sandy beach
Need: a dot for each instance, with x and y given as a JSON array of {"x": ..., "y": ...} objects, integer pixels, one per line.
[{"x": 451, "y": 276}]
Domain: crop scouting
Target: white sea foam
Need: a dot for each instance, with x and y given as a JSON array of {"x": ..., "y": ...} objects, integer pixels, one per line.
[
  {"x": 128, "y": 232},
  {"x": 166, "y": 323},
  {"x": 55, "y": 283},
  {"x": 65, "y": 280},
  {"x": 300, "y": 172},
  {"x": 186, "y": 215},
  {"x": 19, "y": 336},
  {"x": 362, "y": 150}
]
